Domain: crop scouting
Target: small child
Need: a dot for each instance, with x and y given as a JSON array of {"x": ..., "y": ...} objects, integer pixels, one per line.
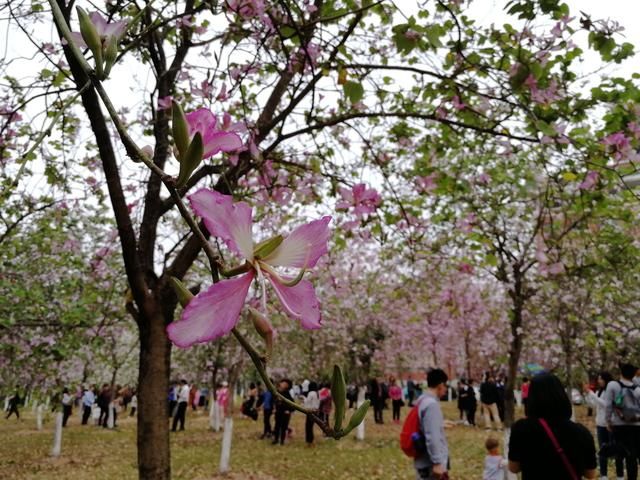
[{"x": 494, "y": 463}]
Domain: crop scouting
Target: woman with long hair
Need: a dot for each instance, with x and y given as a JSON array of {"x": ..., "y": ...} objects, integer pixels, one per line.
[{"x": 547, "y": 444}]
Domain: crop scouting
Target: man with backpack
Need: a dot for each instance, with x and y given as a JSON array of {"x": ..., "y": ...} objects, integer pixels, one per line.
[
  {"x": 431, "y": 449},
  {"x": 622, "y": 414}
]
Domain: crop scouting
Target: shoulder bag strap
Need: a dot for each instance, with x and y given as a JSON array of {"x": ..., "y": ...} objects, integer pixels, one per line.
[{"x": 556, "y": 445}]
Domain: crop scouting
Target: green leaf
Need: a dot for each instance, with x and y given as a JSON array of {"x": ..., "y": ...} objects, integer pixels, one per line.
[{"x": 354, "y": 91}]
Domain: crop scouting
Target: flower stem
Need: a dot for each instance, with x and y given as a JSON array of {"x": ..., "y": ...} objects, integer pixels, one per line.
[{"x": 260, "y": 364}]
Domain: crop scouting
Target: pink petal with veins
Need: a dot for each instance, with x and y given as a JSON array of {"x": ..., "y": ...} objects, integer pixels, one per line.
[
  {"x": 300, "y": 302},
  {"x": 212, "y": 313},
  {"x": 303, "y": 247},
  {"x": 225, "y": 219}
]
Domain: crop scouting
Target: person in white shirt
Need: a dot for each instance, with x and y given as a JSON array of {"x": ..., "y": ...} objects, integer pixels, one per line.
[
  {"x": 183, "y": 400},
  {"x": 305, "y": 386},
  {"x": 134, "y": 403},
  {"x": 311, "y": 402},
  {"x": 88, "y": 399},
  {"x": 596, "y": 400}
]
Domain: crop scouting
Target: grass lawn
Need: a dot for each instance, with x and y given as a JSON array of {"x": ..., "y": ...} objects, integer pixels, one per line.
[{"x": 95, "y": 453}]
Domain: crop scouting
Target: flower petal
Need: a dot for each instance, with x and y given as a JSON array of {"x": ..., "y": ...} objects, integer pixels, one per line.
[
  {"x": 220, "y": 141},
  {"x": 77, "y": 39},
  {"x": 225, "y": 219},
  {"x": 200, "y": 120},
  {"x": 99, "y": 22},
  {"x": 299, "y": 301},
  {"x": 303, "y": 247},
  {"x": 116, "y": 29},
  {"x": 212, "y": 313}
]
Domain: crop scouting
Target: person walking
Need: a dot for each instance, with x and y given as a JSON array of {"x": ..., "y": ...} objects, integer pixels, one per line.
[
  {"x": 88, "y": 399},
  {"x": 67, "y": 403},
  {"x": 134, "y": 403},
  {"x": 14, "y": 401},
  {"x": 283, "y": 412},
  {"x": 312, "y": 403},
  {"x": 500, "y": 385},
  {"x": 104, "y": 400},
  {"x": 622, "y": 415},
  {"x": 395, "y": 393},
  {"x": 411, "y": 391},
  {"x": 325, "y": 402},
  {"x": 597, "y": 401},
  {"x": 460, "y": 394},
  {"x": 524, "y": 393},
  {"x": 494, "y": 462},
  {"x": 352, "y": 395},
  {"x": 183, "y": 401},
  {"x": 192, "y": 397},
  {"x": 172, "y": 398},
  {"x": 266, "y": 402},
  {"x": 547, "y": 444},
  {"x": 248, "y": 407},
  {"x": 223, "y": 397},
  {"x": 377, "y": 402},
  {"x": 473, "y": 403},
  {"x": 489, "y": 400},
  {"x": 469, "y": 402},
  {"x": 431, "y": 462}
]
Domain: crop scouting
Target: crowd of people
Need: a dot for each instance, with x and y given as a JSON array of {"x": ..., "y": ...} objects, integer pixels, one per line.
[
  {"x": 95, "y": 403},
  {"x": 547, "y": 443}
]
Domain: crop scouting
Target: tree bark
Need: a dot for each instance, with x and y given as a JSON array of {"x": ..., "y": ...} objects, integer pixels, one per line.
[
  {"x": 154, "y": 461},
  {"x": 515, "y": 348}
]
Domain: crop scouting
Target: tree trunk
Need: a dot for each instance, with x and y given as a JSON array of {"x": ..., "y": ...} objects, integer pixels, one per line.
[
  {"x": 467, "y": 354},
  {"x": 515, "y": 349},
  {"x": 154, "y": 461}
]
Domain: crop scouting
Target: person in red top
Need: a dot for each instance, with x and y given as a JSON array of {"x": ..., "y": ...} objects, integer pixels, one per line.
[
  {"x": 192, "y": 396},
  {"x": 395, "y": 394},
  {"x": 525, "y": 393}
]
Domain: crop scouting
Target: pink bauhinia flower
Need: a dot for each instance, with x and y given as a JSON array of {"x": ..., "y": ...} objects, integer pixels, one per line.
[
  {"x": 247, "y": 9},
  {"x": 104, "y": 29},
  {"x": 590, "y": 180},
  {"x": 214, "y": 312},
  {"x": 363, "y": 200},
  {"x": 214, "y": 138}
]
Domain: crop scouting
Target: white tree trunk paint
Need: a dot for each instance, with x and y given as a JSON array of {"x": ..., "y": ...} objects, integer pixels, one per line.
[
  {"x": 110, "y": 419},
  {"x": 212, "y": 406},
  {"x": 47, "y": 402},
  {"x": 6, "y": 403},
  {"x": 217, "y": 417},
  {"x": 225, "y": 453},
  {"x": 39, "y": 417},
  {"x": 57, "y": 436},
  {"x": 360, "y": 401}
]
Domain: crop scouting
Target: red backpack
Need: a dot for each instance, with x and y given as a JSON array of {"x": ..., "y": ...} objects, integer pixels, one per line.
[{"x": 411, "y": 432}]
